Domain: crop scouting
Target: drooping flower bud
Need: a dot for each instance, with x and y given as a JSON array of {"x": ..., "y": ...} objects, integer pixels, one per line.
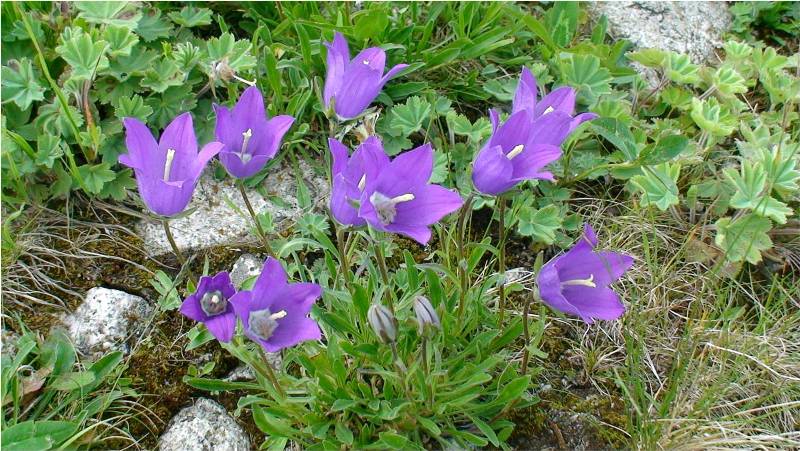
[
  {"x": 383, "y": 323},
  {"x": 427, "y": 318}
]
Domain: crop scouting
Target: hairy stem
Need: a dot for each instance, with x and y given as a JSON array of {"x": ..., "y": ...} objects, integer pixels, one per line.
[
  {"x": 501, "y": 260},
  {"x": 176, "y": 250},
  {"x": 261, "y": 233},
  {"x": 526, "y": 335},
  {"x": 463, "y": 276},
  {"x": 341, "y": 244}
]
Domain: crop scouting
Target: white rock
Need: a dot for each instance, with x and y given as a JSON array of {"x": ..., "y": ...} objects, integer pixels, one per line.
[
  {"x": 216, "y": 222},
  {"x": 694, "y": 28},
  {"x": 247, "y": 266},
  {"x": 105, "y": 320},
  {"x": 204, "y": 426}
]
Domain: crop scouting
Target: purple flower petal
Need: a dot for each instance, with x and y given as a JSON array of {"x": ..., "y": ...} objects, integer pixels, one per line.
[
  {"x": 562, "y": 100},
  {"x": 530, "y": 162},
  {"x": 392, "y": 73},
  {"x": 338, "y": 59},
  {"x": 526, "y": 94},
  {"x": 431, "y": 203},
  {"x": 222, "y": 326},
  {"x": 142, "y": 147},
  {"x": 340, "y": 156},
  {"x": 179, "y": 136},
  {"x": 594, "y": 303},
  {"x": 492, "y": 171},
  {"x": 292, "y": 332},
  {"x": 407, "y": 170}
]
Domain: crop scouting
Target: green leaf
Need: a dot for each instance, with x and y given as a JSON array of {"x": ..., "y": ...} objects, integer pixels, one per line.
[
  {"x": 663, "y": 150},
  {"x": 236, "y": 54},
  {"x": 20, "y": 84},
  {"x": 728, "y": 81},
  {"x": 117, "y": 188},
  {"x": 84, "y": 55},
  {"x": 30, "y": 435},
  {"x": 648, "y": 57},
  {"x": 679, "y": 68},
  {"x": 461, "y": 125},
  {"x": 96, "y": 176},
  {"x": 618, "y": 133},
  {"x": 743, "y": 238},
  {"x": 408, "y": 118},
  {"x": 586, "y": 75},
  {"x": 371, "y": 22},
  {"x": 513, "y": 390},
  {"x": 132, "y": 107},
  {"x": 344, "y": 434},
  {"x": 121, "y": 14},
  {"x": 190, "y": 16},
  {"x": 749, "y": 185},
  {"x": 120, "y": 40},
  {"x": 49, "y": 148},
  {"x": 540, "y": 224},
  {"x": 170, "y": 103},
  {"x": 162, "y": 76},
  {"x": 713, "y": 118},
  {"x": 152, "y": 26},
  {"x": 487, "y": 430},
  {"x": 658, "y": 185},
  {"x": 72, "y": 381},
  {"x": 562, "y": 22}
]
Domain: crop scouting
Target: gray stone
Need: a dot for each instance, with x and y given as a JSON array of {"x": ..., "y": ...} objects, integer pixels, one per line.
[
  {"x": 245, "y": 373},
  {"x": 693, "y": 28},
  {"x": 204, "y": 426},
  {"x": 247, "y": 266},
  {"x": 221, "y": 218},
  {"x": 106, "y": 320},
  {"x": 9, "y": 343}
]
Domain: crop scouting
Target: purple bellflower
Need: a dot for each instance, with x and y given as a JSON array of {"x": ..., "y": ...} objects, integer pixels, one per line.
[
  {"x": 402, "y": 201},
  {"x": 350, "y": 177},
  {"x": 577, "y": 282},
  {"x": 353, "y": 84},
  {"x": 528, "y": 140},
  {"x": 209, "y": 305},
  {"x": 166, "y": 171},
  {"x": 250, "y": 138},
  {"x": 274, "y": 313}
]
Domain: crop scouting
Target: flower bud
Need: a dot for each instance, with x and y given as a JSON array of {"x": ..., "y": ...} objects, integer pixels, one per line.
[
  {"x": 383, "y": 323},
  {"x": 426, "y": 315}
]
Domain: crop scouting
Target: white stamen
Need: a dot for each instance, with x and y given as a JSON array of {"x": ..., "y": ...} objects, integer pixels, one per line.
[
  {"x": 582, "y": 282},
  {"x": 515, "y": 151},
  {"x": 243, "y": 155},
  {"x": 366, "y": 62},
  {"x": 403, "y": 198},
  {"x": 362, "y": 182},
  {"x": 278, "y": 315},
  {"x": 247, "y": 82},
  {"x": 168, "y": 163},
  {"x": 549, "y": 109}
]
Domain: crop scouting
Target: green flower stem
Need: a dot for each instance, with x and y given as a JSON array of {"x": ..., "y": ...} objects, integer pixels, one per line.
[
  {"x": 341, "y": 243},
  {"x": 259, "y": 365},
  {"x": 177, "y": 251},
  {"x": 526, "y": 335},
  {"x": 463, "y": 275},
  {"x": 381, "y": 260},
  {"x": 427, "y": 372},
  {"x": 261, "y": 233},
  {"x": 501, "y": 259},
  {"x": 270, "y": 373}
]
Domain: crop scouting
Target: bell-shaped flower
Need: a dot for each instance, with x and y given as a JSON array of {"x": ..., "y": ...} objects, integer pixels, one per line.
[
  {"x": 402, "y": 201},
  {"x": 576, "y": 282},
  {"x": 561, "y": 100},
  {"x": 514, "y": 153},
  {"x": 251, "y": 139},
  {"x": 166, "y": 171},
  {"x": 274, "y": 313},
  {"x": 528, "y": 140},
  {"x": 209, "y": 304},
  {"x": 383, "y": 323},
  {"x": 353, "y": 84},
  {"x": 351, "y": 178}
]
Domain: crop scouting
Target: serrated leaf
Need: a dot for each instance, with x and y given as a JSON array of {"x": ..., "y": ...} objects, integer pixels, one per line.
[
  {"x": 109, "y": 13},
  {"x": 658, "y": 185},
  {"x": 162, "y": 76},
  {"x": 117, "y": 188},
  {"x": 152, "y": 26},
  {"x": 665, "y": 149},
  {"x": 710, "y": 116},
  {"x": 460, "y": 125},
  {"x": 749, "y": 184},
  {"x": 96, "y": 176},
  {"x": 170, "y": 103},
  {"x": 648, "y": 57},
  {"x": 744, "y": 238},
  {"x": 728, "y": 81},
  {"x": 120, "y": 40},
  {"x": 236, "y": 54},
  {"x": 132, "y": 107},
  {"x": 20, "y": 84},
  {"x": 586, "y": 75},
  {"x": 49, "y": 148},
  {"x": 190, "y": 16},
  {"x": 370, "y": 22},
  {"x": 540, "y": 224},
  {"x": 679, "y": 68},
  {"x": 408, "y": 118},
  {"x": 84, "y": 55}
]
